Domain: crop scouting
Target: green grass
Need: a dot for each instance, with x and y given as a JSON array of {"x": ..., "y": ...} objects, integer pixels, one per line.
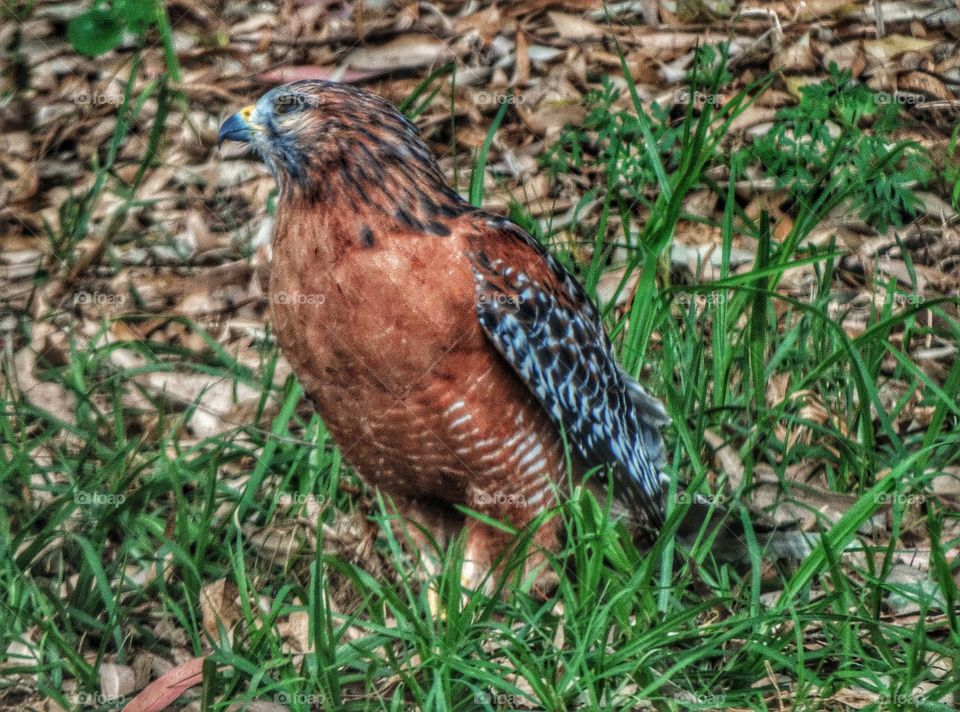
[{"x": 110, "y": 531}]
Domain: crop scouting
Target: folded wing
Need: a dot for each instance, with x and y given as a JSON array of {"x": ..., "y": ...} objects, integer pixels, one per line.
[{"x": 541, "y": 322}]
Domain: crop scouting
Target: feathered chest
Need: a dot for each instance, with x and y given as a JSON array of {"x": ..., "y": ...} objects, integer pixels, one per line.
[{"x": 351, "y": 301}]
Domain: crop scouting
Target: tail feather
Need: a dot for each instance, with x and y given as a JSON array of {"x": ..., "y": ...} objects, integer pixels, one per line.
[
  {"x": 778, "y": 542},
  {"x": 650, "y": 415},
  {"x": 783, "y": 542}
]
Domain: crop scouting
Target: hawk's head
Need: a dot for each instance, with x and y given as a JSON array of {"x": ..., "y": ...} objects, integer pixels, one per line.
[{"x": 306, "y": 130}]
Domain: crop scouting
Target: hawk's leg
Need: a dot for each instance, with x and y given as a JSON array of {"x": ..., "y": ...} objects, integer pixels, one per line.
[
  {"x": 426, "y": 527},
  {"x": 488, "y": 551}
]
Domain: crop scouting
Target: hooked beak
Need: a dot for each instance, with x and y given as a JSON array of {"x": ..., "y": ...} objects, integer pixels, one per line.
[{"x": 238, "y": 127}]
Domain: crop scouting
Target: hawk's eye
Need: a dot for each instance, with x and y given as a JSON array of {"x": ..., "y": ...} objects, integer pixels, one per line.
[{"x": 287, "y": 104}]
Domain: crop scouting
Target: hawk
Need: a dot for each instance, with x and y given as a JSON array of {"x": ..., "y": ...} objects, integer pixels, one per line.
[{"x": 449, "y": 355}]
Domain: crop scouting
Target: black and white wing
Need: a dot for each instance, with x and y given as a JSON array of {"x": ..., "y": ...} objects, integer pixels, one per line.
[{"x": 553, "y": 337}]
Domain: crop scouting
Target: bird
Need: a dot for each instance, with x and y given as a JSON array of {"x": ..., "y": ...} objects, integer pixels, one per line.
[{"x": 457, "y": 365}]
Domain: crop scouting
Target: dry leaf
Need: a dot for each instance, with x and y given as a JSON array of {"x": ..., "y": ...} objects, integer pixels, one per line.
[
  {"x": 116, "y": 681},
  {"x": 572, "y": 27},
  {"x": 307, "y": 71},
  {"x": 219, "y": 608},
  {"x": 402, "y": 53},
  {"x": 925, "y": 85},
  {"x": 159, "y": 694},
  {"x": 798, "y": 57}
]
